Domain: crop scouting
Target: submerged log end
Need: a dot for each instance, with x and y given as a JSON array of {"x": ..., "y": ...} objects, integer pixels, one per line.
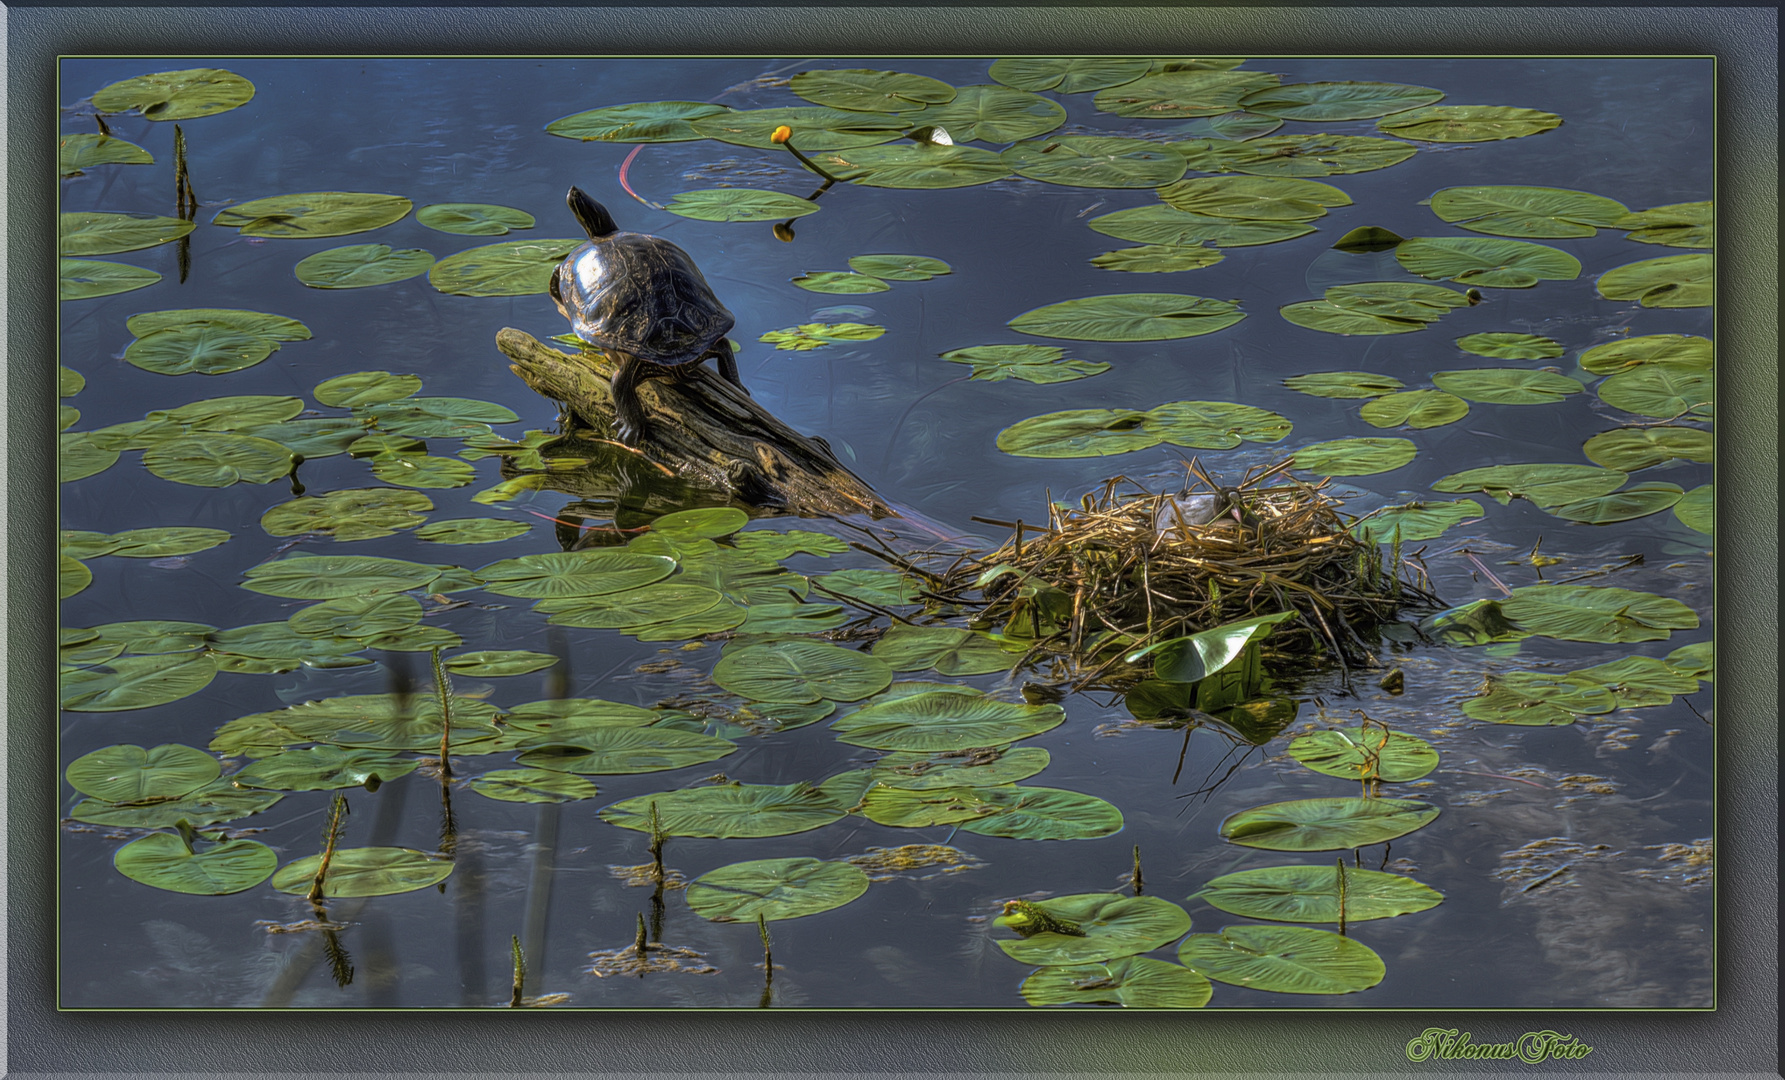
[{"x": 700, "y": 424}]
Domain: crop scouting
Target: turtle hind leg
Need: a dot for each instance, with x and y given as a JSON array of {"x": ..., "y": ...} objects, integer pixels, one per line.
[
  {"x": 728, "y": 364},
  {"x": 630, "y": 426}
]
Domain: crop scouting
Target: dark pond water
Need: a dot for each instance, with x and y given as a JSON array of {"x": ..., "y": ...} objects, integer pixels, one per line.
[{"x": 1609, "y": 922}]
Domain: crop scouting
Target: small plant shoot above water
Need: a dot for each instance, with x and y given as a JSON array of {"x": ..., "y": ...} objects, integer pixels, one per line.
[{"x": 524, "y": 529}]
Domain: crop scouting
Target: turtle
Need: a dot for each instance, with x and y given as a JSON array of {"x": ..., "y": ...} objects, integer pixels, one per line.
[{"x": 641, "y": 300}]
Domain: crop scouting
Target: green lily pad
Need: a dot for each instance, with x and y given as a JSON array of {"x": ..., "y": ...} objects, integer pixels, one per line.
[
  {"x": 1417, "y": 520},
  {"x": 1630, "y": 449},
  {"x": 1214, "y": 425},
  {"x": 1078, "y": 433},
  {"x": 76, "y": 153},
  {"x": 815, "y": 127},
  {"x": 659, "y": 603},
  {"x": 1526, "y": 211},
  {"x": 639, "y": 122},
  {"x": 1338, "y": 100},
  {"x": 1685, "y": 225},
  {"x": 1332, "y": 318},
  {"x": 1678, "y": 350},
  {"x": 560, "y": 717},
  {"x": 1344, "y": 384},
  {"x": 1157, "y": 259},
  {"x": 1467, "y": 260},
  {"x": 323, "y": 768},
  {"x": 79, "y": 455},
  {"x": 203, "y": 348},
  {"x": 1283, "y": 959},
  {"x": 740, "y": 204},
  {"x": 978, "y": 767},
  {"x": 325, "y": 577},
  {"x": 800, "y": 671},
  {"x": 176, "y": 95},
  {"x": 899, "y": 267},
  {"x": 1640, "y": 681},
  {"x": 1674, "y": 281},
  {"x": 218, "y": 460},
  {"x": 1182, "y": 94},
  {"x": 489, "y": 664},
  {"x": 1507, "y": 386},
  {"x": 349, "y": 514},
  {"x": 1467, "y": 123},
  {"x": 774, "y": 889},
  {"x": 1254, "y": 197},
  {"x": 1129, "y": 317},
  {"x": 730, "y": 811},
  {"x": 94, "y": 233},
  {"x": 257, "y": 323},
  {"x": 995, "y": 114},
  {"x": 1359, "y": 754},
  {"x": 370, "y": 721},
  {"x": 928, "y": 166},
  {"x": 313, "y": 437},
  {"x": 533, "y": 786},
  {"x": 1133, "y": 981},
  {"x": 415, "y": 639},
  {"x": 883, "y": 588},
  {"x": 80, "y": 544},
  {"x": 1110, "y": 926},
  {"x": 314, "y": 214},
  {"x": 130, "y": 774},
  {"x": 1661, "y": 390},
  {"x": 1068, "y": 75},
  {"x": 1545, "y": 485},
  {"x": 1295, "y": 155},
  {"x": 1038, "y": 813},
  {"x": 471, "y": 530},
  {"x": 511, "y": 268},
  {"x": 1596, "y": 613},
  {"x": 1511, "y": 346},
  {"x": 1479, "y": 622},
  {"x": 423, "y": 470},
  {"x": 357, "y": 616},
  {"x": 1096, "y": 161},
  {"x": 80, "y": 279},
  {"x": 1697, "y": 509},
  {"x": 866, "y": 90},
  {"x": 1697, "y": 660},
  {"x": 360, "y": 265},
  {"x": 573, "y": 573},
  {"x": 1627, "y": 504},
  {"x": 1355, "y": 457},
  {"x": 1310, "y": 894},
  {"x": 473, "y": 219},
  {"x": 72, "y": 576},
  {"x": 69, "y": 382},
  {"x": 1325, "y": 824},
  {"x": 366, "y": 388},
  {"x": 435, "y": 417},
  {"x": 768, "y": 544},
  {"x": 809, "y": 336},
  {"x": 796, "y": 617},
  {"x": 1169, "y": 226},
  {"x": 211, "y": 805},
  {"x": 372, "y": 871},
  {"x": 1040, "y": 364},
  {"x": 136, "y": 682},
  {"x": 616, "y": 749},
  {"x": 905, "y": 808},
  {"x": 163, "y": 861},
  {"x": 840, "y": 282},
  {"x": 947, "y": 649},
  {"x": 940, "y": 720},
  {"x": 1538, "y": 699},
  {"x": 162, "y": 542},
  {"x": 278, "y": 641}
]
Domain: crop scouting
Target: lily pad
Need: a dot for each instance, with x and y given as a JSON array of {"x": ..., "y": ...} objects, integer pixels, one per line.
[
  {"x": 1325, "y": 824},
  {"x": 473, "y": 219},
  {"x": 899, "y": 267},
  {"x": 492, "y": 663},
  {"x": 1355, "y": 457},
  {"x": 1295, "y": 155},
  {"x": 996, "y": 114},
  {"x": 740, "y": 204},
  {"x": 1039, "y": 364},
  {"x": 815, "y": 127},
  {"x": 153, "y": 637},
  {"x": 1661, "y": 390},
  {"x": 730, "y": 811},
  {"x": 659, "y": 603},
  {"x": 1640, "y": 681},
  {"x": 1674, "y": 281},
  {"x": 1627, "y": 504},
  {"x": 164, "y": 861},
  {"x": 435, "y": 417},
  {"x": 1331, "y": 318},
  {"x": 809, "y": 336},
  {"x": 573, "y": 573},
  {"x": 130, "y": 774},
  {"x": 136, "y": 682},
  {"x": 218, "y": 460},
  {"x": 1078, "y": 433},
  {"x": 768, "y": 544},
  {"x": 1129, "y": 317},
  {"x": 1344, "y": 384},
  {"x": 1685, "y": 225},
  {"x": 278, "y": 641},
  {"x": 349, "y": 514},
  {"x": 801, "y": 671},
  {"x": 1039, "y": 813},
  {"x": 357, "y": 616},
  {"x": 1526, "y": 211},
  {"x": 1364, "y": 754},
  {"x": 867, "y": 90},
  {"x": 1310, "y": 894},
  {"x": 1630, "y": 449},
  {"x": 940, "y": 720},
  {"x": 176, "y": 95},
  {"x": 1338, "y": 100},
  {"x": 905, "y": 808},
  {"x": 211, "y": 805},
  {"x": 928, "y": 166},
  {"x": 1133, "y": 981},
  {"x": 884, "y": 588},
  {"x": 162, "y": 542},
  {"x": 371, "y": 721},
  {"x": 1110, "y": 926},
  {"x": 1283, "y": 959},
  {"x": 1697, "y": 660},
  {"x": 774, "y": 889},
  {"x": 423, "y": 470},
  {"x": 533, "y": 786},
  {"x": 366, "y": 388},
  {"x": 1157, "y": 259},
  {"x": 949, "y": 650},
  {"x": 1254, "y": 197},
  {"x": 1697, "y": 509},
  {"x": 976, "y": 767},
  {"x": 1417, "y": 520},
  {"x": 257, "y": 323},
  {"x": 1597, "y": 613},
  {"x": 324, "y": 577},
  {"x": 1096, "y": 161},
  {"x": 372, "y": 871},
  {"x": 203, "y": 348},
  {"x": 471, "y": 530},
  {"x": 840, "y": 283},
  {"x": 81, "y": 279},
  {"x": 511, "y": 268},
  {"x": 561, "y": 717},
  {"x": 1467, "y": 123},
  {"x": 1679, "y": 350},
  {"x": 1511, "y": 346},
  {"x": 1182, "y": 94},
  {"x": 1169, "y": 226},
  {"x": 76, "y": 153},
  {"x": 1214, "y": 425},
  {"x": 314, "y": 214},
  {"x": 360, "y": 265},
  {"x": 94, "y": 233},
  {"x": 1545, "y": 485},
  {"x": 616, "y": 749},
  {"x": 323, "y": 768},
  {"x": 72, "y": 576},
  {"x": 1504, "y": 264},
  {"x": 1507, "y": 386},
  {"x": 639, "y": 122},
  {"x": 1068, "y": 75}
]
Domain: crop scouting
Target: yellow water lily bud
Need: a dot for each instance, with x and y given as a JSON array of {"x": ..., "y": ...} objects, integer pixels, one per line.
[{"x": 782, "y": 134}]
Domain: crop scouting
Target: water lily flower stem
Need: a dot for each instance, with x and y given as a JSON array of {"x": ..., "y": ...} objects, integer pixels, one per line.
[
  {"x": 520, "y": 972},
  {"x": 331, "y": 837},
  {"x": 784, "y": 136}
]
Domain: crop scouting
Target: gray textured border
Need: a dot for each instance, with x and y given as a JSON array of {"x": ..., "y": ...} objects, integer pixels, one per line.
[{"x": 1740, "y": 1038}]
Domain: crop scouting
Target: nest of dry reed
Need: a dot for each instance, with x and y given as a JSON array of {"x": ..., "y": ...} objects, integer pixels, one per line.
[{"x": 1128, "y": 568}]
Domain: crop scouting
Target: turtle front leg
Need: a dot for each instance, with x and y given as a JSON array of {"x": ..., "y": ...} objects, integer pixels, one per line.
[
  {"x": 630, "y": 426},
  {"x": 728, "y": 364}
]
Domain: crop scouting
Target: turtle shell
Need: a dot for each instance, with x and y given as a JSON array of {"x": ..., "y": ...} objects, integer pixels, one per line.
[{"x": 640, "y": 295}]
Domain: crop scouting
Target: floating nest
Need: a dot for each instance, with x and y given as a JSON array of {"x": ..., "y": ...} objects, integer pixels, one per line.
[{"x": 1128, "y": 568}]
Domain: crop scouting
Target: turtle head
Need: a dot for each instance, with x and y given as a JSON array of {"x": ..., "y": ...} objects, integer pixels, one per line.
[{"x": 591, "y": 215}]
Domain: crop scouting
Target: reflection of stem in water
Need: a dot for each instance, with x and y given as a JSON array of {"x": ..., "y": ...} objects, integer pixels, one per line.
[
  {"x": 340, "y": 961},
  {"x": 658, "y": 836},
  {"x": 444, "y": 688},
  {"x": 520, "y": 972},
  {"x": 539, "y": 889},
  {"x": 1138, "y": 887},
  {"x": 768, "y": 961},
  {"x": 639, "y": 945},
  {"x": 449, "y": 825}
]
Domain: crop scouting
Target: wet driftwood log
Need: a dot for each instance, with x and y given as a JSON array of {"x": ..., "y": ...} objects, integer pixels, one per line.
[{"x": 703, "y": 425}]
